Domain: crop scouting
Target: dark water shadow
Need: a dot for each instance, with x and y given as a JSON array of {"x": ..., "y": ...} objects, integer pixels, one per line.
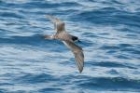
[
  {"x": 112, "y": 64},
  {"x": 108, "y": 83},
  {"x": 35, "y": 78},
  {"x": 50, "y": 90},
  {"x": 32, "y": 40},
  {"x": 108, "y": 15},
  {"x": 3, "y": 90},
  {"x": 39, "y": 41}
]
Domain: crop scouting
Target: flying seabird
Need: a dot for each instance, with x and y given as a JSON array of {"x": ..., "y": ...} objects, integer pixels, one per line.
[{"x": 67, "y": 39}]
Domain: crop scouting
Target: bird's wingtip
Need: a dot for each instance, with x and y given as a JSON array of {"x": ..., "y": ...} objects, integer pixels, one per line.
[{"x": 80, "y": 71}]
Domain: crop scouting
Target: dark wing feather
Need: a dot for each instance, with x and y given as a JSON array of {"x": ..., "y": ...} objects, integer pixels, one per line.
[{"x": 78, "y": 53}]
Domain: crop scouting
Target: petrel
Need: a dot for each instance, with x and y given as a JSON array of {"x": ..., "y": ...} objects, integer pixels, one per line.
[{"x": 67, "y": 39}]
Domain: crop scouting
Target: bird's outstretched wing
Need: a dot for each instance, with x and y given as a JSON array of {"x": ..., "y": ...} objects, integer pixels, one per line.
[
  {"x": 58, "y": 24},
  {"x": 78, "y": 53}
]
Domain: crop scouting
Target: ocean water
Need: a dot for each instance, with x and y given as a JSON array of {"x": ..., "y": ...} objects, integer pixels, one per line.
[{"x": 109, "y": 31}]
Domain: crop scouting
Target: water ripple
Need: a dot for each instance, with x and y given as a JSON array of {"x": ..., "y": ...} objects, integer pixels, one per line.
[{"x": 109, "y": 35}]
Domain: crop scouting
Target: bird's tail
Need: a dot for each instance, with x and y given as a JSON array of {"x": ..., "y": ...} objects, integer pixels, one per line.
[{"x": 47, "y": 37}]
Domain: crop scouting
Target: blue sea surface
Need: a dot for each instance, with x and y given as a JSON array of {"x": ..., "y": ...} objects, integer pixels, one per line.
[{"x": 109, "y": 31}]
